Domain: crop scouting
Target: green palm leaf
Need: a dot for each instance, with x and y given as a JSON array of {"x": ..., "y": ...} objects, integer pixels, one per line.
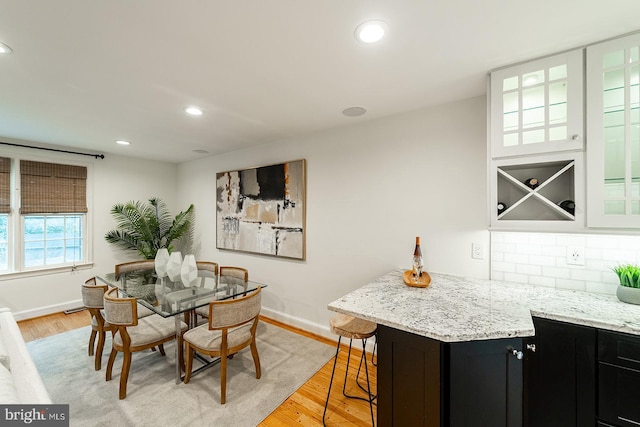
[{"x": 147, "y": 227}]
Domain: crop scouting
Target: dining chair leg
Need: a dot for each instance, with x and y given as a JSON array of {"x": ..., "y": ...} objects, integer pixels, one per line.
[
  {"x": 92, "y": 340},
  {"x": 124, "y": 375},
  {"x": 256, "y": 358},
  {"x": 161, "y": 348},
  {"x": 99, "y": 349},
  {"x": 189, "y": 363},
  {"x": 223, "y": 378},
  {"x": 112, "y": 358}
]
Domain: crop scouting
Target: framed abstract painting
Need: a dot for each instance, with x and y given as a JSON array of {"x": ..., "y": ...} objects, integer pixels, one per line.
[{"x": 262, "y": 210}]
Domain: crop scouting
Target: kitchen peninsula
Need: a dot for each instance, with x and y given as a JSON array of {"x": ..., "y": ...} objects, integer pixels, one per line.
[{"x": 452, "y": 354}]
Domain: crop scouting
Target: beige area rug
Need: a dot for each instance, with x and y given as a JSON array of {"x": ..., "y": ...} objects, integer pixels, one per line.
[{"x": 288, "y": 360}]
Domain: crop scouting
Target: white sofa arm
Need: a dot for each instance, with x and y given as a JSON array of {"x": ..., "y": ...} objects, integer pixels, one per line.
[{"x": 27, "y": 380}]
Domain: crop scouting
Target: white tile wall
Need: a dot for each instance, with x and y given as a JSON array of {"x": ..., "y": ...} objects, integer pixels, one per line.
[{"x": 540, "y": 259}]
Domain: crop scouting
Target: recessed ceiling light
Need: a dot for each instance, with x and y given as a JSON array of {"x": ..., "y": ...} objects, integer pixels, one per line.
[
  {"x": 371, "y": 31},
  {"x": 4, "y": 49},
  {"x": 193, "y": 111},
  {"x": 354, "y": 111},
  {"x": 123, "y": 142}
]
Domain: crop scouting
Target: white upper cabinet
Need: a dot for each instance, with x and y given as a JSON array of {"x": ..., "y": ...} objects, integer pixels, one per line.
[
  {"x": 537, "y": 107},
  {"x": 613, "y": 154}
]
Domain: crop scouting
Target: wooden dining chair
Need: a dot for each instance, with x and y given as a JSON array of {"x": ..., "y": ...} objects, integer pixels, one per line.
[
  {"x": 231, "y": 327},
  {"x": 207, "y": 269},
  {"x": 238, "y": 273},
  {"x": 238, "y": 276},
  {"x": 133, "y": 334},
  {"x": 132, "y": 267},
  {"x": 93, "y": 300}
]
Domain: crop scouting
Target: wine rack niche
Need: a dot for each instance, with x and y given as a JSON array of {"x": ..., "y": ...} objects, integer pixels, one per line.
[{"x": 555, "y": 185}]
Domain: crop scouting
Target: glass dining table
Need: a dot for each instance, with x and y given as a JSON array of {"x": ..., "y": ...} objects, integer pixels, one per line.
[{"x": 168, "y": 297}]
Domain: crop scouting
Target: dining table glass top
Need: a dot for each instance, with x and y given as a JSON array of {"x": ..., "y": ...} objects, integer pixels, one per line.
[{"x": 168, "y": 297}]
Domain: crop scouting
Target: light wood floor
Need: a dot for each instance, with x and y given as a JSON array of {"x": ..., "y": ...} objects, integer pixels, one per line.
[{"x": 304, "y": 407}]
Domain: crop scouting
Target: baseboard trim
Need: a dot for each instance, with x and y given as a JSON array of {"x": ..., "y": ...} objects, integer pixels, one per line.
[
  {"x": 44, "y": 311},
  {"x": 297, "y": 322},
  {"x": 314, "y": 328}
]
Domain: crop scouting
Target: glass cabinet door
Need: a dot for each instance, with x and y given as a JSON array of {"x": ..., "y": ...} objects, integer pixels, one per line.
[
  {"x": 614, "y": 133},
  {"x": 536, "y": 107}
]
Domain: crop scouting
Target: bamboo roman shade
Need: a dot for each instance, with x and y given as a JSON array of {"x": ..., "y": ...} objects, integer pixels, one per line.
[
  {"x": 52, "y": 188},
  {"x": 5, "y": 183}
]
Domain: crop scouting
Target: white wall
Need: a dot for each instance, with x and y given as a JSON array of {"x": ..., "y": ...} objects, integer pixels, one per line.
[
  {"x": 114, "y": 179},
  {"x": 371, "y": 188}
]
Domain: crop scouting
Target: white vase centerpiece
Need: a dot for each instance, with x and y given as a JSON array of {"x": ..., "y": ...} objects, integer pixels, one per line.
[
  {"x": 174, "y": 266},
  {"x": 161, "y": 260},
  {"x": 189, "y": 270}
]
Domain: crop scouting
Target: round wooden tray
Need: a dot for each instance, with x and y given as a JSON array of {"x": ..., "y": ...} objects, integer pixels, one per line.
[{"x": 423, "y": 281}]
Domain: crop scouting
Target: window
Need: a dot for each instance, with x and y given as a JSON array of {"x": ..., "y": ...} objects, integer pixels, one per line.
[
  {"x": 50, "y": 228},
  {"x": 4, "y": 242},
  {"x": 52, "y": 239}
]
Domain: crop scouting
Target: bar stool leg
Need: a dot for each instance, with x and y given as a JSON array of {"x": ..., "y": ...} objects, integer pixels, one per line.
[
  {"x": 346, "y": 373},
  {"x": 363, "y": 357},
  {"x": 333, "y": 371},
  {"x": 375, "y": 347},
  {"x": 366, "y": 370}
]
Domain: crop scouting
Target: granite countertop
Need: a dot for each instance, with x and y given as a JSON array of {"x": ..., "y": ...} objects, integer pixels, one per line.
[{"x": 456, "y": 308}]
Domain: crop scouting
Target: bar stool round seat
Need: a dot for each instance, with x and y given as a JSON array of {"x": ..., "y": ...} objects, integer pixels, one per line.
[{"x": 352, "y": 328}]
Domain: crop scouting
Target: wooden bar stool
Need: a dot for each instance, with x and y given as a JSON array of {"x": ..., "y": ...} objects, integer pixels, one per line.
[{"x": 352, "y": 328}]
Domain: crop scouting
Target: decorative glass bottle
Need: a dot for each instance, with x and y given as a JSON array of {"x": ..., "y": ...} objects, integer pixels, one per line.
[{"x": 418, "y": 262}]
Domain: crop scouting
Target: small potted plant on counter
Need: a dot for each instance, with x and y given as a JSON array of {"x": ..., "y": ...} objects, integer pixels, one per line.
[{"x": 629, "y": 287}]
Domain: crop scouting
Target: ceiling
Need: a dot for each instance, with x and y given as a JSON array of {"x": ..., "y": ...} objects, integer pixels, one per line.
[{"x": 86, "y": 73}]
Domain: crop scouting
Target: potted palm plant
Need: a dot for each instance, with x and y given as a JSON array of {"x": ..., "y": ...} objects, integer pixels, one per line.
[
  {"x": 629, "y": 287},
  {"x": 147, "y": 227}
]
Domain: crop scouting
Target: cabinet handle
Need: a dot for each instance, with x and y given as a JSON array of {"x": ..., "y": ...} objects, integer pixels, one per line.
[
  {"x": 575, "y": 137},
  {"x": 531, "y": 347},
  {"x": 517, "y": 353}
]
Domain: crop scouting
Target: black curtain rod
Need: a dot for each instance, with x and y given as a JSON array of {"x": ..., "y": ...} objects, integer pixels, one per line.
[{"x": 97, "y": 156}]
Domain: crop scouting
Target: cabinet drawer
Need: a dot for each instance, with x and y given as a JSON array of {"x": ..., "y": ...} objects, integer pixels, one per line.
[
  {"x": 619, "y": 389},
  {"x": 619, "y": 349}
]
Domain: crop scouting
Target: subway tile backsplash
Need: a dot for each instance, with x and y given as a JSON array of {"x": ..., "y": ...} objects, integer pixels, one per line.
[{"x": 540, "y": 259}]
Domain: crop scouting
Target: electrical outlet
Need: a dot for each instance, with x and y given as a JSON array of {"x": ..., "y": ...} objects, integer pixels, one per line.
[
  {"x": 575, "y": 255},
  {"x": 477, "y": 251}
]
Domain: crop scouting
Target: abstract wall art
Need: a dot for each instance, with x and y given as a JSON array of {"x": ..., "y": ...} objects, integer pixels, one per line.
[{"x": 262, "y": 210}]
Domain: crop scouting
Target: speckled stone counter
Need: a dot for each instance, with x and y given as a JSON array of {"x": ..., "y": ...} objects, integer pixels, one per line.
[{"x": 456, "y": 309}]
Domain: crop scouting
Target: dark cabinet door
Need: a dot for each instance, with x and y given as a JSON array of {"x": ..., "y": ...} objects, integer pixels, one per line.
[
  {"x": 560, "y": 376},
  {"x": 409, "y": 379},
  {"x": 486, "y": 383},
  {"x": 619, "y": 378}
]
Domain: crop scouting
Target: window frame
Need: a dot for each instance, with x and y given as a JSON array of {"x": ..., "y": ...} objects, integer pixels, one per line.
[
  {"x": 22, "y": 259},
  {"x": 15, "y": 220}
]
